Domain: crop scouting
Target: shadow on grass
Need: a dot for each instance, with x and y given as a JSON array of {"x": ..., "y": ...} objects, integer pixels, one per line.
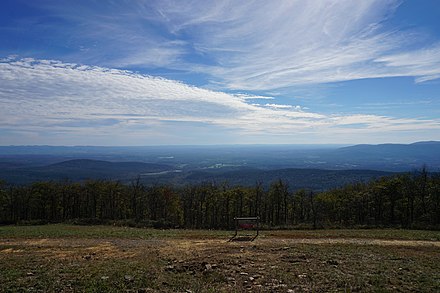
[{"x": 242, "y": 238}]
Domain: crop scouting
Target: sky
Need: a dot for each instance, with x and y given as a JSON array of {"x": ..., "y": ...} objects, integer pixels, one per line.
[{"x": 219, "y": 72}]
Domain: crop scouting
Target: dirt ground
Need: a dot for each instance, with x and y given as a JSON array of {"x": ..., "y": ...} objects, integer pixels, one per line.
[{"x": 268, "y": 264}]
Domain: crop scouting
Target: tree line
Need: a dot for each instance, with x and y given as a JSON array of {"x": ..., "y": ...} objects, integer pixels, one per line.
[{"x": 409, "y": 200}]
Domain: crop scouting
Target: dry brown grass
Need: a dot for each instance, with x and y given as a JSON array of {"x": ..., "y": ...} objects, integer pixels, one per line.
[{"x": 212, "y": 264}]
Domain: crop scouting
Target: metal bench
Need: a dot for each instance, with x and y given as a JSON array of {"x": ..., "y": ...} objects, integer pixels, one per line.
[{"x": 246, "y": 224}]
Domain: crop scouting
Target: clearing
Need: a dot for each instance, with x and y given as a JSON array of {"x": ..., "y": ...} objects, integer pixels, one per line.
[{"x": 64, "y": 258}]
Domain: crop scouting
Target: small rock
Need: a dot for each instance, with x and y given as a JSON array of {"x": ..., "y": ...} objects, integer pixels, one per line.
[
  {"x": 230, "y": 279},
  {"x": 104, "y": 278},
  {"x": 290, "y": 291},
  {"x": 244, "y": 273},
  {"x": 333, "y": 262},
  {"x": 302, "y": 276},
  {"x": 251, "y": 279},
  {"x": 29, "y": 274},
  {"x": 128, "y": 278},
  {"x": 277, "y": 286},
  {"x": 208, "y": 267},
  {"x": 169, "y": 268}
]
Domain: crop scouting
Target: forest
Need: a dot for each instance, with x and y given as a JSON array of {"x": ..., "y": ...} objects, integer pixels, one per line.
[{"x": 406, "y": 200}]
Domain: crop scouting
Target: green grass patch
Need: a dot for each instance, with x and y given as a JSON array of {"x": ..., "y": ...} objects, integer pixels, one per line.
[
  {"x": 66, "y": 258},
  {"x": 384, "y": 234},
  {"x": 101, "y": 231}
]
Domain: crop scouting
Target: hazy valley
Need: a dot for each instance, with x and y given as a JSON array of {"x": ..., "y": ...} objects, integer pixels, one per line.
[{"x": 302, "y": 166}]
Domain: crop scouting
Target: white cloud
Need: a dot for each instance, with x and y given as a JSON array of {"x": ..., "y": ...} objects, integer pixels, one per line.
[
  {"x": 247, "y": 45},
  {"x": 86, "y": 102},
  {"x": 268, "y": 45},
  {"x": 423, "y": 63},
  {"x": 278, "y": 106}
]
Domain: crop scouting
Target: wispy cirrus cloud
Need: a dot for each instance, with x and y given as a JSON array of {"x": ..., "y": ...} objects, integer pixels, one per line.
[
  {"x": 248, "y": 45},
  {"x": 268, "y": 45},
  {"x": 424, "y": 63},
  {"x": 59, "y": 98}
]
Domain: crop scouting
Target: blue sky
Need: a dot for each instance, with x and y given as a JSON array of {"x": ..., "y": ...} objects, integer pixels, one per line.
[{"x": 219, "y": 72}]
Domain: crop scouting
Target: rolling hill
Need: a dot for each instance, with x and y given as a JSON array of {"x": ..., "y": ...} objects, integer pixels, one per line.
[
  {"x": 81, "y": 169},
  {"x": 314, "y": 167}
]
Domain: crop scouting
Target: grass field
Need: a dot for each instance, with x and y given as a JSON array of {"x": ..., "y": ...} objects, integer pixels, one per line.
[{"x": 64, "y": 258}]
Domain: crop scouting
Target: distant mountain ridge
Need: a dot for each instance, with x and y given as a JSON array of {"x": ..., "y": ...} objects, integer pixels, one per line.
[
  {"x": 392, "y": 156},
  {"x": 98, "y": 164},
  {"x": 395, "y": 146},
  {"x": 81, "y": 169},
  {"x": 236, "y": 164}
]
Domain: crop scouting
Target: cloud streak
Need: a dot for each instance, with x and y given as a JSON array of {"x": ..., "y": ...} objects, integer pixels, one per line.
[
  {"x": 267, "y": 45},
  {"x": 52, "y": 97},
  {"x": 247, "y": 45}
]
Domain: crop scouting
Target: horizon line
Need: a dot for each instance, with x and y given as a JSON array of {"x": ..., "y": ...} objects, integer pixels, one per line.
[{"x": 224, "y": 145}]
